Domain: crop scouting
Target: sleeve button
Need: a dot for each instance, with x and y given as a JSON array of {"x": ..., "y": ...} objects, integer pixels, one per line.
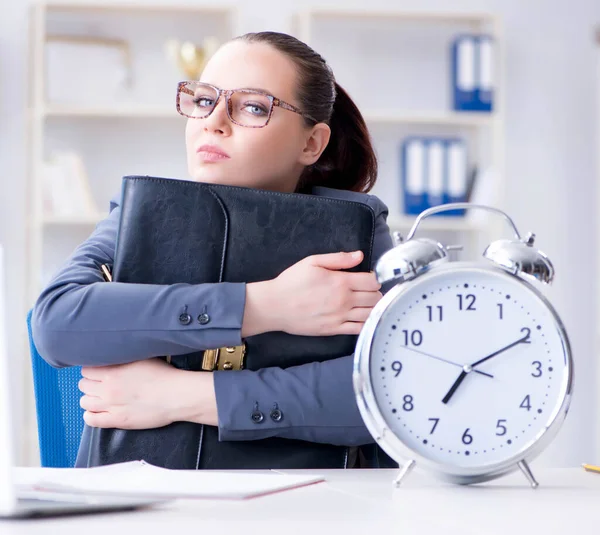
[
  {"x": 185, "y": 318},
  {"x": 276, "y": 415},
  {"x": 257, "y": 417},
  {"x": 203, "y": 319}
]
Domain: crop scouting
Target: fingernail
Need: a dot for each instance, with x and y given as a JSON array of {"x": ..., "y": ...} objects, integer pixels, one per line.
[{"x": 356, "y": 254}]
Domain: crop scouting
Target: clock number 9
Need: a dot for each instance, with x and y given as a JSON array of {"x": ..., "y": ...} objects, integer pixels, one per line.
[{"x": 397, "y": 367}]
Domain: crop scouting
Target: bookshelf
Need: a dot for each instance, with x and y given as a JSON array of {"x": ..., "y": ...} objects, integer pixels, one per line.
[
  {"x": 138, "y": 131},
  {"x": 142, "y": 133},
  {"x": 395, "y": 65}
]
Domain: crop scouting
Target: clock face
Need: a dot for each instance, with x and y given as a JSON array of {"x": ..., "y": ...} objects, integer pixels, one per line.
[{"x": 468, "y": 366}]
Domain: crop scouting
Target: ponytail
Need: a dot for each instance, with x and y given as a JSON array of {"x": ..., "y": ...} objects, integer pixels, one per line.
[{"x": 348, "y": 162}]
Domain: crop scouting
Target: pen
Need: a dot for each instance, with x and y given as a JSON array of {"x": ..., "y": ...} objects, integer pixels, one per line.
[{"x": 591, "y": 468}]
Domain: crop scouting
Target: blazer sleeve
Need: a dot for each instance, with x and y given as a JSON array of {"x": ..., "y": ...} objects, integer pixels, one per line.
[
  {"x": 316, "y": 400},
  {"x": 79, "y": 319}
]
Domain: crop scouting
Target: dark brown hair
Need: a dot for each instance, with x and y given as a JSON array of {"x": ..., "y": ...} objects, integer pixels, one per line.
[{"x": 348, "y": 162}]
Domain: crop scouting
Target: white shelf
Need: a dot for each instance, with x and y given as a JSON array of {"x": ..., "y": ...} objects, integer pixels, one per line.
[
  {"x": 404, "y": 223},
  {"x": 424, "y": 16},
  {"x": 469, "y": 119},
  {"x": 382, "y": 117},
  {"x": 120, "y": 111},
  {"x": 77, "y": 220},
  {"x": 136, "y": 7}
]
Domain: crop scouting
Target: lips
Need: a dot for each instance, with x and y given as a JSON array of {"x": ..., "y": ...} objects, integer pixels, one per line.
[{"x": 212, "y": 153}]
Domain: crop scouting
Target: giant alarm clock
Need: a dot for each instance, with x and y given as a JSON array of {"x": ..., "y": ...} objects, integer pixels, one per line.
[{"x": 463, "y": 368}]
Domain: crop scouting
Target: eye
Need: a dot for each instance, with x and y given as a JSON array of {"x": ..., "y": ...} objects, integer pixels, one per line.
[
  {"x": 255, "y": 108},
  {"x": 203, "y": 102}
]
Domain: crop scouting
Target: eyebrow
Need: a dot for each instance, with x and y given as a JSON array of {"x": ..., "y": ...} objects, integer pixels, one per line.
[{"x": 257, "y": 89}]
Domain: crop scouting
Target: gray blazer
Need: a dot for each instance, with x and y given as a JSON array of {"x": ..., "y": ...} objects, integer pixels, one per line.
[{"x": 78, "y": 320}]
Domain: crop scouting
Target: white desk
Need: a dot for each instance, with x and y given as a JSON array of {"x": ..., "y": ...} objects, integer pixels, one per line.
[{"x": 364, "y": 502}]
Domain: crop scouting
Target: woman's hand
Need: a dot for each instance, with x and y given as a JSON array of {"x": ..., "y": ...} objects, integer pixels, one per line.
[
  {"x": 146, "y": 394},
  {"x": 313, "y": 298}
]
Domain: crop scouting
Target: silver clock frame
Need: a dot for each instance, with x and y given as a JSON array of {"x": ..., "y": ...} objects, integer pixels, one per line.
[{"x": 406, "y": 456}]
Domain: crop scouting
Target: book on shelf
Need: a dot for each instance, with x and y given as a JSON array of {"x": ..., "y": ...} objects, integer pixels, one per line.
[
  {"x": 472, "y": 67},
  {"x": 66, "y": 186},
  {"x": 434, "y": 171}
]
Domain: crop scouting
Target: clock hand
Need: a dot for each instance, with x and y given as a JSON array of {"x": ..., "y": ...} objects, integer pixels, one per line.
[
  {"x": 517, "y": 342},
  {"x": 467, "y": 369},
  {"x": 456, "y": 384},
  {"x": 446, "y": 361}
]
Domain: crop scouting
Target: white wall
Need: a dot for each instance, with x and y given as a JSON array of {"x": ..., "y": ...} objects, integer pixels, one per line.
[{"x": 550, "y": 169}]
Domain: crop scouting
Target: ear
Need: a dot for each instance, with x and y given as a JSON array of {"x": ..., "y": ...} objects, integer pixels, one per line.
[{"x": 316, "y": 141}]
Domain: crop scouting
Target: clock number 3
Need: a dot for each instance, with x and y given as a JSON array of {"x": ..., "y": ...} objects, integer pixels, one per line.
[{"x": 538, "y": 368}]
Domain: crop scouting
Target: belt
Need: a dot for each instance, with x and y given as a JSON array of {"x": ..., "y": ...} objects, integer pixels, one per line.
[{"x": 222, "y": 359}]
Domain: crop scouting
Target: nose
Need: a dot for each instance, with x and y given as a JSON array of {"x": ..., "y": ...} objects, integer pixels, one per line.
[{"x": 218, "y": 121}]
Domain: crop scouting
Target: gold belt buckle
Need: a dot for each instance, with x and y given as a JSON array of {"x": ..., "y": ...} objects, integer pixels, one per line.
[{"x": 224, "y": 358}]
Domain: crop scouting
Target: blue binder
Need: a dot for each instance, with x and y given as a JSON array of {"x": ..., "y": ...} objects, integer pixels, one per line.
[
  {"x": 472, "y": 73},
  {"x": 434, "y": 172},
  {"x": 414, "y": 172},
  {"x": 455, "y": 169}
]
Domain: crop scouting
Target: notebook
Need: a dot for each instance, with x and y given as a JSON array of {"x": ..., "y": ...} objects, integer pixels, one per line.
[{"x": 141, "y": 479}]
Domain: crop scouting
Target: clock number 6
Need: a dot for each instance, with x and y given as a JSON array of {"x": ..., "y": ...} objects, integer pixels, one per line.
[{"x": 466, "y": 438}]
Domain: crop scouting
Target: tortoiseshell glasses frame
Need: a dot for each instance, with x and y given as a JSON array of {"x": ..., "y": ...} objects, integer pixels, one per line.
[{"x": 188, "y": 87}]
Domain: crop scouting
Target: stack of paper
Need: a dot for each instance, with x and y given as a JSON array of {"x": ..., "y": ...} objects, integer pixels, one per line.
[{"x": 141, "y": 479}]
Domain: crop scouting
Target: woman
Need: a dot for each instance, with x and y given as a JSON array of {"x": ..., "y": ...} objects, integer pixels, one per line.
[{"x": 296, "y": 130}]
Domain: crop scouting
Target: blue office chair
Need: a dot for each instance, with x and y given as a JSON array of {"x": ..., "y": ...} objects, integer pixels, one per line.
[{"x": 59, "y": 416}]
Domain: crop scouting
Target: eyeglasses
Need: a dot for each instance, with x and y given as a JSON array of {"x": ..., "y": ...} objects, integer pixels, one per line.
[{"x": 245, "y": 107}]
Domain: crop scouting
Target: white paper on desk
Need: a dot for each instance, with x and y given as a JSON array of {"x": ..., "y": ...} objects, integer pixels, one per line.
[{"x": 141, "y": 479}]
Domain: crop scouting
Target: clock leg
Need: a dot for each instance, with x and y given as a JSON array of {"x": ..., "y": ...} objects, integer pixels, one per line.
[
  {"x": 404, "y": 471},
  {"x": 527, "y": 473}
]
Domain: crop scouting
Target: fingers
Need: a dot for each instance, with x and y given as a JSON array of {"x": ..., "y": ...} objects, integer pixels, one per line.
[
  {"x": 98, "y": 419},
  {"x": 97, "y": 373},
  {"x": 92, "y": 404},
  {"x": 361, "y": 282},
  {"x": 350, "y": 327},
  {"x": 337, "y": 260},
  {"x": 358, "y": 314},
  {"x": 88, "y": 386},
  {"x": 366, "y": 299}
]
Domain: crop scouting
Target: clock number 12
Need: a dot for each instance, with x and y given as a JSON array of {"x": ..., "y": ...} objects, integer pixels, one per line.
[{"x": 466, "y": 302}]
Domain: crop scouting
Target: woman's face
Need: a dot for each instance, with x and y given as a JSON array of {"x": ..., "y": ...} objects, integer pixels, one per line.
[{"x": 272, "y": 157}]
